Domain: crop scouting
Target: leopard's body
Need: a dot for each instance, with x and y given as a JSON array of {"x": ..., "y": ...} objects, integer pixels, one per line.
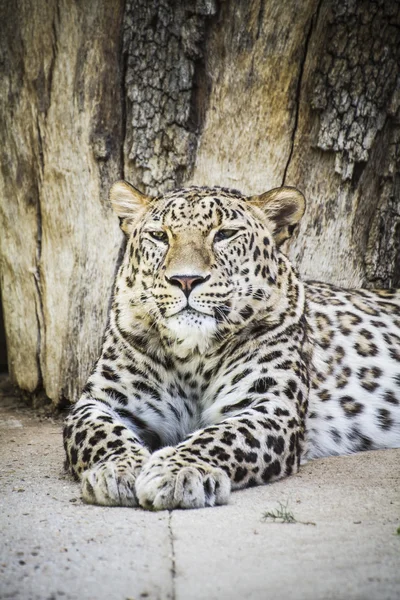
[{"x": 220, "y": 369}]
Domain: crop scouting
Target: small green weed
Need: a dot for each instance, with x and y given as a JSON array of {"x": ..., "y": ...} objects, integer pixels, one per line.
[{"x": 282, "y": 514}]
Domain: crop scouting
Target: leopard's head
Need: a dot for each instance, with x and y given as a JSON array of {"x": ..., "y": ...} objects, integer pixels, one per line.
[{"x": 201, "y": 261}]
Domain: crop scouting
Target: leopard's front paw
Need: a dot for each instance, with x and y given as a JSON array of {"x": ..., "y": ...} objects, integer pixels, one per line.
[
  {"x": 169, "y": 481},
  {"x": 110, "y": 484}
]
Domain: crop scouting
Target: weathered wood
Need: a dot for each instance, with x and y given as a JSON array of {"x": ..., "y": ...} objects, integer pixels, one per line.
[
  {"x": 19, "y": 193},
  {"x": 247, "y": 94},
  {"x": 254, "y": 60},
  {"x": 61, "y": 141}
]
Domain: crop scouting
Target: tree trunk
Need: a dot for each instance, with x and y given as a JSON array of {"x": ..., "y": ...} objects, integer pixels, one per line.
[
  {"x": 61, "y": 137},
  {"x": 308, "y": 94},
  {"x": 250, "y": 94}
]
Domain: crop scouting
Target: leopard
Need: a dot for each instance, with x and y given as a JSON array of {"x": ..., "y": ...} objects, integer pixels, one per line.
[{"x": 220, "y": 368}]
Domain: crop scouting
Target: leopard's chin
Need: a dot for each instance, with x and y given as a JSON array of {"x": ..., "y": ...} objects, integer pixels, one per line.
[{"x": 191, "y": 331}]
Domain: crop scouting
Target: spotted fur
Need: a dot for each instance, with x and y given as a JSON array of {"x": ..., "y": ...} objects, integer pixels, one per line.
[{"x": 220, "y": 369}]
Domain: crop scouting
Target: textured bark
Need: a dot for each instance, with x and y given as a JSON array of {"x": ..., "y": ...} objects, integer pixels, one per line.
[
  {"x": 307, "y": 94},
  {"x": 248, "y": 94},
  {"x": 163, "y": 50},
  {"x": 346, "y": 146}
]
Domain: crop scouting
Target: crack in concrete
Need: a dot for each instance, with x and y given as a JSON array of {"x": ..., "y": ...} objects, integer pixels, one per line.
[
  {"x": 173, "y": 561},
  {"x": 313, "y": 22}
]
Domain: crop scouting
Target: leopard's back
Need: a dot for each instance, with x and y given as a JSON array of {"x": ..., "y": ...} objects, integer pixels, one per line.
[{"x": 354, "y": 401}]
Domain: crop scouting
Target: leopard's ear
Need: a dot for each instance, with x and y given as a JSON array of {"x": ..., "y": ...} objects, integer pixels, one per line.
[
  {"x": 284, "y": 208},
  {"x": 128, "y": 203}
]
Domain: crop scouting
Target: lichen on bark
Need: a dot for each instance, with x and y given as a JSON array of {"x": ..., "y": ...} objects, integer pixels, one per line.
[{"x": 163, "y": 42}]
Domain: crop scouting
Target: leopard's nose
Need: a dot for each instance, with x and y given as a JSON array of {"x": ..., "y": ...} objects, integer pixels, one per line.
[{"x": 187, "y": 282}]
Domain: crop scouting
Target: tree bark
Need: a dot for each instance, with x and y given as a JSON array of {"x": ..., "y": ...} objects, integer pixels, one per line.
[
  {"x": 61, "y": 138},
  {"x": 250, "y": 94},
  {"x": 308, "y": 94}
]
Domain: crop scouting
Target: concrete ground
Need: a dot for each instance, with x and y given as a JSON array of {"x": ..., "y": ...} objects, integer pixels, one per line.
[{"x": 54, "y": 547}]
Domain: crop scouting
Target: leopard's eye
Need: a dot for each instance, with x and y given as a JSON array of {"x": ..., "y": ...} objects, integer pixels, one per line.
[
  {"x": 224, "y": 234},
  {"x": 160, "y": 236}
]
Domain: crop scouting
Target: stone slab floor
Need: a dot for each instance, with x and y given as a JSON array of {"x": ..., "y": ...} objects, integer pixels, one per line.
[{"x": 53, "y": 547}]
